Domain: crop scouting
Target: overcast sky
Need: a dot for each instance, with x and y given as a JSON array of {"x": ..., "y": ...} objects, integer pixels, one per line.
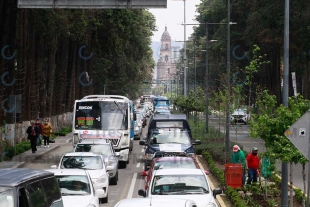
[{"x": 173, "y": 17}]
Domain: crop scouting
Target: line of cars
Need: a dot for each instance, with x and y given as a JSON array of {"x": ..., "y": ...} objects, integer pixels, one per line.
[{"x": 171, "y": 170}]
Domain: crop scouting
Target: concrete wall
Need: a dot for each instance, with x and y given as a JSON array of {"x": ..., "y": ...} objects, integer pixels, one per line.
[{"x": 57, "y": 122}]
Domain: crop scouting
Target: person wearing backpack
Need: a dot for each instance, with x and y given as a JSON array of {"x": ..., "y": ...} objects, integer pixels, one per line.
[{"x": 46, "y": 132}]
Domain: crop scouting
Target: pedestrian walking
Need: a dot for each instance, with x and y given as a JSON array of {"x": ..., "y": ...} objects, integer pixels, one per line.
[
  {"x": 46, "y": 132},
  {"x": 39, "y": 139},
  {"x": 238, "y": 157},
  {"x": 253, "y": 166},
  {"x": 33, "y": 132}
]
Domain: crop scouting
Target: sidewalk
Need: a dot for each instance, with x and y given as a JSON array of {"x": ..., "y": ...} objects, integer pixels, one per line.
[{"x": 18, "y": 161}]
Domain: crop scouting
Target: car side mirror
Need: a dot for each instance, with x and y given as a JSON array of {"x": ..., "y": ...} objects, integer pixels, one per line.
[
  {"x": 142, "y": 193},
  {"x": 142, "y": 143},
  {"x": 144, "y": 173},
  {"x": 217, "y": 191},
  {"x": 197, "y": 142},
  {"x": 54, "y": 167},
  {"x": 117, "y": 154},
  {"x": 99, "y": 192},
  {"x": 134, "y": 116},
  {"x": 109, "y": 168}
]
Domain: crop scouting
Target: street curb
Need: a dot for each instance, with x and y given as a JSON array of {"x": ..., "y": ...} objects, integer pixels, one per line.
[
  {"x": 218, "y": 198},
  {"x": 21, "y": 164}
]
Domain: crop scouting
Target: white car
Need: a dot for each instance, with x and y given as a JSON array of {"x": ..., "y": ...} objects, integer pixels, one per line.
[
  {"x": 104, "y": 147},
  {"x": 240, "y": 115},
  {"x": 94, "y": 164},
  {"x": 155, "y": 202},
  {"x": 76, "y": 188},
  {"x": 175, "y": 183}
]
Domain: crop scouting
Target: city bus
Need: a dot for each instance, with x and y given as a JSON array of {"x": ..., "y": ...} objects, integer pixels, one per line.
[{"x": 107, "y": 117}]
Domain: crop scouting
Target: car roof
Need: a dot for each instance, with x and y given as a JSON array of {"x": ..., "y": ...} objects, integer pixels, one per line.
[
  {"x": 169, "y": 117},
  {"x": 179, "y": 172},
  {"x": 67, "y": 171},
  {"x": 163, "y": 159},
  {"x": 82, "y": 154},
  {"x": 156, "y": 202},
  {"x": 15, "y": 176}
]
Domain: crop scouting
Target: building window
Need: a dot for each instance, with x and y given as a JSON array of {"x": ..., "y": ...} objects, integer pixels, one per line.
[
  {"x": 166, "y": 58},
  {"x": 166, "y": 47}
]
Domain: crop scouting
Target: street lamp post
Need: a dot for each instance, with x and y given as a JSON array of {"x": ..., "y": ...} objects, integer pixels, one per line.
[{"x": 228, "y": 81}]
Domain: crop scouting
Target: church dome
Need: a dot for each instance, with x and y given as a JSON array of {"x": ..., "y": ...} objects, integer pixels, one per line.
[{"x": 165, "y": 35}]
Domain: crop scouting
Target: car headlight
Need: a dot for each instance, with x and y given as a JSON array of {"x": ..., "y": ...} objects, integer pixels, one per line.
[
  {"x": 211, "y": 205},
  {"x": 125, "y": 140},
  {"x": 101, "y": 179},
  {"x": 91, "y": 205},
  {"x": 149, "y": 156}
]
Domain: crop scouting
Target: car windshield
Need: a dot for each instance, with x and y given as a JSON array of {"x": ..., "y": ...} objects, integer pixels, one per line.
[
  {"x": 189, "y": 164},
  {"x": 97, "y": 148},
  {"x": 82, "y": 162},
  {"x": 73, "y": 185},
  {"x": 6, "y": 197},
  {"x": 165, "y": 137},
  {"x": 179, "y": 184}
]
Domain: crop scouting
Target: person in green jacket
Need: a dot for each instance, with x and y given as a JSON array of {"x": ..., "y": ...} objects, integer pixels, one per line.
[{"x": 238, "y": 157}]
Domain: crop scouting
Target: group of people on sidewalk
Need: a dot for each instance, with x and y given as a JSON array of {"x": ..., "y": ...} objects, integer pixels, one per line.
[
  {"x": 36, "y": 131},
  {"x": 250, "y": 164}
]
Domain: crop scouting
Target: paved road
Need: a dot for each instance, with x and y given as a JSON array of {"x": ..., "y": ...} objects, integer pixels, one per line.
[
  {"x": 240, "y": 134},
  {"x": 129, "y": 182}
]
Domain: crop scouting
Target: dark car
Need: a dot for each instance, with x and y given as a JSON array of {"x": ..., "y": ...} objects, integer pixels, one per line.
[
  {"x": 27, "y": 187},
  {"x": 142, "y": 117}
]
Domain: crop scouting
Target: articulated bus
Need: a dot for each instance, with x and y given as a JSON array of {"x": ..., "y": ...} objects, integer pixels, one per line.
[{"x": 107, "y": 117}]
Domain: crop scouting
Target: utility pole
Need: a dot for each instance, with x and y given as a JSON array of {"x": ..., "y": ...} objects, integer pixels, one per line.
[
  {"x": 228, "y": 81},
  {"x": 185, "y": 75},
  {"x": 207, "y": 79},
  {"x": 195, "y": 79},
  {"x": 284, "y": 171}
]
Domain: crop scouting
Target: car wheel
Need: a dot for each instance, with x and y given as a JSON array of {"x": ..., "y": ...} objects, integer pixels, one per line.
[
  {"x": 122, "y": 164},
  {"x": 113, "y": 181}
]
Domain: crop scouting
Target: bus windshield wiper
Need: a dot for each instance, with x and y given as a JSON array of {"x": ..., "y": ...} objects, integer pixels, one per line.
[{"x": 120, "y": 108}]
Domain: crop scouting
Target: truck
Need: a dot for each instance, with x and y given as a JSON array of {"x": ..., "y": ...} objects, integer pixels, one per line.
[{"x": 105, "y": 116}]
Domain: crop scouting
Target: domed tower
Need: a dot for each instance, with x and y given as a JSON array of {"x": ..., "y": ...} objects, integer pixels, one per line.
[{"x": 165, "y": 67}]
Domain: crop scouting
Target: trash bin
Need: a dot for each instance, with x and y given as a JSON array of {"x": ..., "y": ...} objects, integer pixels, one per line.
[
  {"x": 265, "y": 168},
  {"x": 233, "y": 175}
]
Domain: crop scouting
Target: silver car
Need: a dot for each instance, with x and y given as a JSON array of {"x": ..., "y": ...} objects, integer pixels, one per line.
[{"x": 104, "y": 147}]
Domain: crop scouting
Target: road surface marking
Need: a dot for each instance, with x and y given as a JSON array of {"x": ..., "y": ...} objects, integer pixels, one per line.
[
  {"x": 132, "y": 186},
  {"x": 138, "y": 165}
]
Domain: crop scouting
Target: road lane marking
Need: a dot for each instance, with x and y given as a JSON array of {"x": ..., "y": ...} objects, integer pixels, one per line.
[
  {"x": 132, "y": 186},
  {"x": 138, "y": 165}
]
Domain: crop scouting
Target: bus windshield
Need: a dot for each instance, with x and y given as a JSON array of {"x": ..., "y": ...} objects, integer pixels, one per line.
[{"x": 101, "y": 115}]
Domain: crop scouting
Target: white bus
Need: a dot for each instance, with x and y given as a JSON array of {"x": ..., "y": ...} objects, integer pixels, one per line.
[{"x": 107, "y": 117}]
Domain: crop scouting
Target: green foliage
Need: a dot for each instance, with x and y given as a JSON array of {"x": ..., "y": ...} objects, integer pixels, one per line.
[
  {"x": 219, "y": 174},
  {"x": 20, "y": 148},
  {"x": 270, "y": 122},
  {"x": 234, "y": 197},
  {"x": 195, "y": 101}
]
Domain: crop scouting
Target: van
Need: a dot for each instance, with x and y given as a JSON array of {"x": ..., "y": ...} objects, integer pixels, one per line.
[{"x": 26, "y": 187}]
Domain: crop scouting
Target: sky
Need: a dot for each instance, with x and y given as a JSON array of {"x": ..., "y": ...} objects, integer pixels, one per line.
[{"x": 173, "y": 17}]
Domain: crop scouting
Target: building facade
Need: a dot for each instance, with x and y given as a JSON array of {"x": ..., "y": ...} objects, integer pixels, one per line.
[{"x": 166, "y": 69}]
